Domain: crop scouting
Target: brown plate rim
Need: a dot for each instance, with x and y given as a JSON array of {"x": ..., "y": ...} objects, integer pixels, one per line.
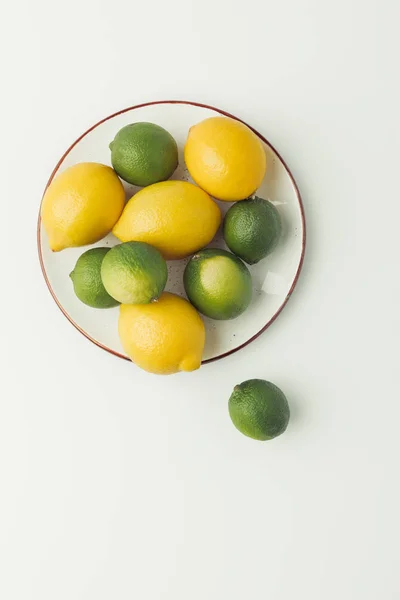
[{"x": 222, "y": 112}]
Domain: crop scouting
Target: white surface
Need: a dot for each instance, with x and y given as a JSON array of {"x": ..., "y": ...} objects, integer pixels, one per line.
[
  {"x": 273, "y": 278},
  {"x": 118, "y": 485}
]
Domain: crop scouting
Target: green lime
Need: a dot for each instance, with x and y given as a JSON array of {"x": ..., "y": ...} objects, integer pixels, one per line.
[
  {"x": 218, "y": 284},
  {"x": 259, "y": 409},
  {"x": 134, "y": 273},
  {"x": 252, "y": 229},
  {"x": 86, "y": 279},
  {"x": 144, "y": 153}
]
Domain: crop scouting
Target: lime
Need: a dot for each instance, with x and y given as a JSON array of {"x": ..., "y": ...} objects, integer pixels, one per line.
[
  {"x": 218, "y": 284},
  {"x": 259, "y": 409},
  {"x": 87, "y": 282},
  {"x": 134, "y": 273},
  {"x": 252, "y": 229},
  {"x": 144, "y": 153}
]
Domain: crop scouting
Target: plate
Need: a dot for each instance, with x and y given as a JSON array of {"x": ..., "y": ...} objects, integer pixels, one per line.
[{"x": 274, "y": 278}]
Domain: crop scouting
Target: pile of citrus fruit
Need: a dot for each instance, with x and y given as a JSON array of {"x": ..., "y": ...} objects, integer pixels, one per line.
[{"x": 169, "y": 220}]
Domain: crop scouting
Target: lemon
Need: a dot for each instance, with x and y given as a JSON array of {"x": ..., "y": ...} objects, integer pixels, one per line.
[
  {"x": 176, "y": 217},
  {"x": 81, "y": 205},
  {"x": 162, "y": 337},
  {"x": 259, "y": 409},
  {"x": 225, "y": 158}
]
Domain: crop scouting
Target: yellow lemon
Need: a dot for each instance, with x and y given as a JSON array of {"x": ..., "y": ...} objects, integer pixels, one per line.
[
  {"x": 81, "y": 205},
  {"x": 176, "y": 217},
  {"x": 162, "y": 337},
  {"x": 225, "y": 158}
]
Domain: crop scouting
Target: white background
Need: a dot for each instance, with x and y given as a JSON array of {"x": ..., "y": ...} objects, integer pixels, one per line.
[{"x": 118, "y": 485}]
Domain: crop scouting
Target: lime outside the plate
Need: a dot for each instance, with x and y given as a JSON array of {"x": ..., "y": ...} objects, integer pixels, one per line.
[
  {"x": 144, "y": 153},
  {"x": 259, "y": 409},
  {"x": 86, "y": 279},
  {"x": 134, "y": 273}
]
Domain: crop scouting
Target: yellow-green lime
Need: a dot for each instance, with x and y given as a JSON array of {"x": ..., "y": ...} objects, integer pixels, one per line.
[
  {"x": 252, "y": 229},
  {"x": 144, "y": 153},
  {"x": 134, "y": 273},
  {"x": 218, "y": 284},
  {"x": 259, "y": 409},
  {"x": 86, "y": 279}
]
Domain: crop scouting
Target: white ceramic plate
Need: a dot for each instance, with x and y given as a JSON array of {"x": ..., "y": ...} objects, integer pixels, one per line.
[{"x": 274, "y": 278}]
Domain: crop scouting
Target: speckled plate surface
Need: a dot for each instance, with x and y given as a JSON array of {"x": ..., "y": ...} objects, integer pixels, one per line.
[{"x": 274, "y": 278}]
